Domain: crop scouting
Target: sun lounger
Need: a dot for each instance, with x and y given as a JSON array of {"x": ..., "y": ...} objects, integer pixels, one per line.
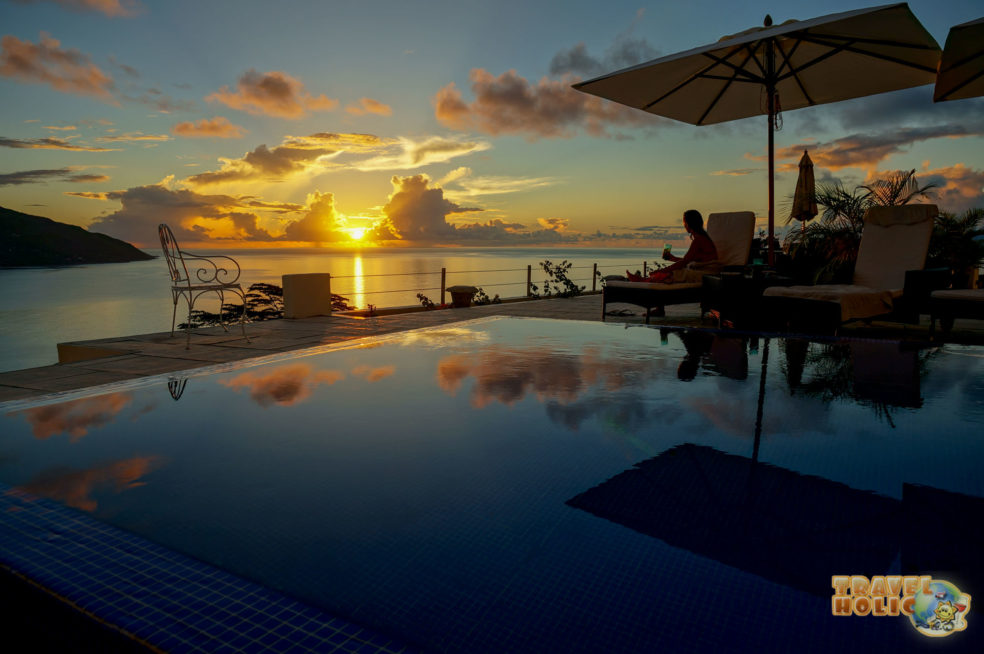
[
  {"x": 893, "y": 246},
  {"x": 732, "y": 235},
  {"x": 955, "y": 303}
]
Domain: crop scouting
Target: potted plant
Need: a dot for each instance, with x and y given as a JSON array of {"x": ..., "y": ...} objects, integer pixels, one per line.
[{"x": 461, "y": 296}]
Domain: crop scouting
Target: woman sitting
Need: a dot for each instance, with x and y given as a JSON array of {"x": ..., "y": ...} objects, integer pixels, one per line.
[{"x": 701, "y": 250}]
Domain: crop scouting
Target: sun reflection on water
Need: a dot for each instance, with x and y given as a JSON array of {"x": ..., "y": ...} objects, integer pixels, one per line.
[{"x": 359, "y": 287}]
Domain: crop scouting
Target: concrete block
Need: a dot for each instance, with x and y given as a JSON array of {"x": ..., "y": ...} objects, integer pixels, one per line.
[{"x": 307, "y": 295}]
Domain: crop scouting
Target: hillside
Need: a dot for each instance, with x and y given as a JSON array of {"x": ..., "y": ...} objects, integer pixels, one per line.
[{"x": 27, "y": 240}]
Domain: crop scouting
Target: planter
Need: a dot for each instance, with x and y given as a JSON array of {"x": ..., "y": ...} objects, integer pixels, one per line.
[{"x": 461, "y": 296}]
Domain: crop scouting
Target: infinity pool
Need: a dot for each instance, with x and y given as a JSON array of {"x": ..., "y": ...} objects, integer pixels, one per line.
[{"x": 526, "y": 485}]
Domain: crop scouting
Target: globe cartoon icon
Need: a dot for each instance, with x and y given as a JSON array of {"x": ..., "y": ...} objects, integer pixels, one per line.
[{"x": 924, "y": 608}]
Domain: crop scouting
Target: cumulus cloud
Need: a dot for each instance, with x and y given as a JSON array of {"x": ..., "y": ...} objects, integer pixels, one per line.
[
  {"x": 273, "y": 93},
  {"x": 48, "y": 143},
  {"x": 48, "y": 175},
  {"x": 510, "y": 104},
  {"x": 65, "y": 70},
  {"x": 111, "y": 8},
  {"x": 958, "y": 187},
  {"x": 209, "y": 128},
  {"x": 416, "y": 211},
  {"x": 419, "y": 212},
  {"x": 192, "y": 216},
  {"x": 369, "y": 106},
  {"x": 321, "y": 224}
]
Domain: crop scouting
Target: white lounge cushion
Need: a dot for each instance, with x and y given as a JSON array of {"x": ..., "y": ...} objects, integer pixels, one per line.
[
  {"x": 960, "y": 294},
  {"x": 895, "y": 239},
  {"x": 657, "y": 286},
  {"x": 855, "y": 301},
  {"x": 732, "y": 234}
]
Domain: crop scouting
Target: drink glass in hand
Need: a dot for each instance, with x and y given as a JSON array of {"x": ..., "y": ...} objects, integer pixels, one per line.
[{"x": 666, "y": 251}]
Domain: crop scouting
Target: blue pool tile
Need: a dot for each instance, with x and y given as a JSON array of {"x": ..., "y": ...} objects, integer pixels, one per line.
[{"x": 160, "y": 597}]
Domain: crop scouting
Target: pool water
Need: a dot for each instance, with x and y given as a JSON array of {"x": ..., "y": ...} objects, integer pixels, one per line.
[{"x": 526, "y": 485}]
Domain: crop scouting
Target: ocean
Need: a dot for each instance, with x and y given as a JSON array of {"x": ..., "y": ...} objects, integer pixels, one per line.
[{"x": 40, "y": 307}]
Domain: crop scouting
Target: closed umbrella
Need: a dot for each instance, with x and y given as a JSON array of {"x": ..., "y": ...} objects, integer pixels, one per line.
[
  {"x": 961, "y": 73},
  {"x": 788, "y": 66},
  {"x": 804, "y": 199}
]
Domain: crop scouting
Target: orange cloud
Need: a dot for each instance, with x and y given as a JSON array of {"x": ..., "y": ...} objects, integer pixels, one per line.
[
  {"x": 556, "y": 224},
  {"x": 499, "y": 378},
  {"x": 90, "y": 195},
  {"x": 296, "y": 156},
  {"x": 507, "y": 375},
  {"x": 369, "y": 106},
  {"x": 866, "y": 151},
  {"x": 958, "y": 187},
  {"x": 66, "y": 128},
  {"x": 273, "y": 94},
  {"x": 214, "y": 128},
  {"x": 284, "y": 386},
  {"x": 133, "y": 137},
  {"x": 75, "y": 487},
  {"x": 65, "y": 70},
  {"x": 192, "y": 216},
  {"x": 509, "y": 104},
  {"x": 77, "y": 417},
  {"x": 111, "y": 8},
  {"x": 373, "y": 375}
]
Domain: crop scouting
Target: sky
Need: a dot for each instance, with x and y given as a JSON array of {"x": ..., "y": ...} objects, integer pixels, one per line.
[{"x": 400, "y": 122}]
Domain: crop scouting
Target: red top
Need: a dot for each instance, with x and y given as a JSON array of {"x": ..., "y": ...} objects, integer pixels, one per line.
[{"x": 701, "y": 250}]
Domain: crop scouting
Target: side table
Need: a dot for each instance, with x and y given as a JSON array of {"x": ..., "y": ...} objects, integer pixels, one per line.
[{"x": 737, "y": 297}]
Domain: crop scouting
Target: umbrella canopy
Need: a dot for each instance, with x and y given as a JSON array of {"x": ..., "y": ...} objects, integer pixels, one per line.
[
  {"x": 804, "y": 199},
  {"x": 962, "y": 65},
  {"x": 788, "y": 66}
]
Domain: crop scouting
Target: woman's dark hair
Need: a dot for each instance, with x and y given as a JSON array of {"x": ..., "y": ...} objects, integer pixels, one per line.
[{"x": 695, "y": 222}]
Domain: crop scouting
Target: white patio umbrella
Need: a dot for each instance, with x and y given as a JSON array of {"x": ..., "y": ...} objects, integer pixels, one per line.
[
  {"x": 764, "y": 70},
  {"x": 961, "y": 73}
]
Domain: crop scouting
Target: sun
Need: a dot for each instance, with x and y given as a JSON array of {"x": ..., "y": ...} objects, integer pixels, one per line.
[{"x": 357, "y": 233}]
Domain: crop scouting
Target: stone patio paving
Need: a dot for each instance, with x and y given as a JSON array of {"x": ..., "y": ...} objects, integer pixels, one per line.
[{"x": 93, "y": 363}]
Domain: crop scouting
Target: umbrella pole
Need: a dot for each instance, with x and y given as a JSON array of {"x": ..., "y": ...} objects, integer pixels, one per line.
[
  {"x": 772, "y": 190},
  {"x": 770, "y": 90}
]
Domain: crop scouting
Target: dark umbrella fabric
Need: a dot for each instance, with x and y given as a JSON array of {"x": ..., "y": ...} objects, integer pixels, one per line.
[
  {"x": 763, "y": 71},
  {"x": 961, "y": 73},
  {"x": 804, "y": 198}
]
